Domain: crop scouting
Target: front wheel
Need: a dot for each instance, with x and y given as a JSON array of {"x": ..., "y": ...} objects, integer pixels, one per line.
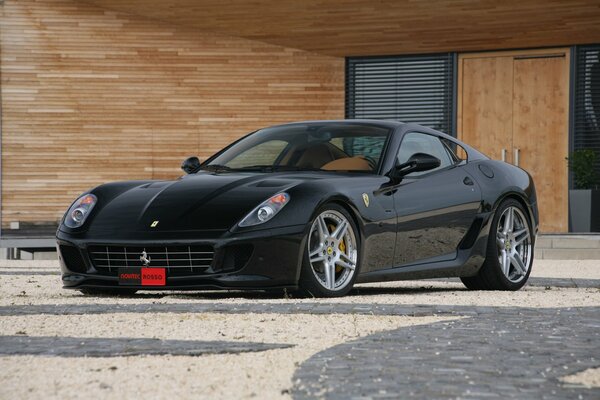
[
  {"x": 331, "y": 258},
  {"x": 509, "y": 251}
]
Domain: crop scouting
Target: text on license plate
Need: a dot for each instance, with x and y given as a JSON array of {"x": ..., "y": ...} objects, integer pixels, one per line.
[{"x": 142, "y": 276}]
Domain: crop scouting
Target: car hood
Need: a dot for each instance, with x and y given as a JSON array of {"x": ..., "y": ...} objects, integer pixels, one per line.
[{"x": 203, "y": 201}]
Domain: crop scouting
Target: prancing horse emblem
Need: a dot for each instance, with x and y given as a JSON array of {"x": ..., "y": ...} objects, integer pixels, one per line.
[
  {"x": 145, "y": 259},
  {"x": 366, "y": 199}
]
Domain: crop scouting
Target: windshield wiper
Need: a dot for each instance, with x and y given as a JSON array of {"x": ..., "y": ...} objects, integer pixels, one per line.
[
  {"x": 216, "y": 168},
  {"x": 276, "y": 168},
  {"x": 259, "y": 168}
]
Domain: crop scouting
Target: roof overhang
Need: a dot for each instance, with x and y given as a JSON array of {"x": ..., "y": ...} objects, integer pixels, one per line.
[{"x": 367, "y": 27}]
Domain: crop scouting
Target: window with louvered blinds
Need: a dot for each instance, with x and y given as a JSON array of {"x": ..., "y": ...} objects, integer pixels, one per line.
[
  {"x": 405, "y": 88},
  {"x": 586, "y": 109}
]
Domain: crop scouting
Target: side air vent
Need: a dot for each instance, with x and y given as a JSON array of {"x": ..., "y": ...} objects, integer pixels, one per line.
[
  {"x": 236, "y": 257},
  {"x": 72, "y": 258},
  {"x": 469, "y": 239}
]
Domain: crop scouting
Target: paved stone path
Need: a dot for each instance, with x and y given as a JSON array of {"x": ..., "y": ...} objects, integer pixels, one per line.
[
  {"x": 116, "y": 347},
  {"x": 258, "y": 308},
  {"x": 505, "y": 353}
]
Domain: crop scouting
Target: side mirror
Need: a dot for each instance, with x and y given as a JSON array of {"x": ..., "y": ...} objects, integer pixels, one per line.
[
  {"x": 190, "y": 165},
  {"x": 418, "y": 162}
]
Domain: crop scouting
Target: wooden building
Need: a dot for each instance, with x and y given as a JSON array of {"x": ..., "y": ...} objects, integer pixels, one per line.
[{"x": 101, "y": 90}]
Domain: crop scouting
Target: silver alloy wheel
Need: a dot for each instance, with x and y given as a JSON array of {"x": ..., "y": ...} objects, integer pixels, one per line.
[
  {"x": 514, "y": 244},
  {"x": 332, "y": 250}
]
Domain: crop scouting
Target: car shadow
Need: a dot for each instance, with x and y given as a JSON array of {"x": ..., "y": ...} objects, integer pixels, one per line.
[
  {"x": 418, "y": 287},
  {"x": 262, "y": 295},
  {"x": 374, "y": 291}
]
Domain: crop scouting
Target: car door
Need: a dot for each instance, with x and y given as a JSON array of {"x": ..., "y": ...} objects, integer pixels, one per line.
[{"x": 434, "y": 208}]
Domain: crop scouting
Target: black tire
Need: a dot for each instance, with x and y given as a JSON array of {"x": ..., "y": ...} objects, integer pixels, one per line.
[
  {"x": 308, "y": 285},
  {"x": 490, "y": 275},
  {"x": 105, "y": 292}
]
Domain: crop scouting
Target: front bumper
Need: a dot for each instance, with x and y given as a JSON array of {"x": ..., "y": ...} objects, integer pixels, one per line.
[{"x": 273, "y": 262}]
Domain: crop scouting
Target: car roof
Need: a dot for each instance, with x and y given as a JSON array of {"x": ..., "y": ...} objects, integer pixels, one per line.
[{"x": 374, "y": 122}]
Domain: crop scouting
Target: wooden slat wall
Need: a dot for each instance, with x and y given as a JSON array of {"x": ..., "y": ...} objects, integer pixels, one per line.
[
  {"x": 384, "y": 27},
  {"x": 90, "y": 96}
]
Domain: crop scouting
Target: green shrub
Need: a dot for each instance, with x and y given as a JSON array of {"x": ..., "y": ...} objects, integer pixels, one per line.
[{"x": 581, "y": 162}]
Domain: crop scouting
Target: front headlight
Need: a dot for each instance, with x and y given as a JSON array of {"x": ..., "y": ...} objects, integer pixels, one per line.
[
  {"x": 266, "y": 210},
  {"x": 80, "y": 210}
]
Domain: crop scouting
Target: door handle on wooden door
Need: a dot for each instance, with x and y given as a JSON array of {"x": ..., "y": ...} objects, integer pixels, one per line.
[
  {"x": 517, "y": 156},
  {"x": 504, "y": 155}
]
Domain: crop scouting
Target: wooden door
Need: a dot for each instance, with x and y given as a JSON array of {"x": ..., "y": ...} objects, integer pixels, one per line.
[
  {"x": 485, "y": 118},
  {"x": 540, "y": 133},
  {"x": 515, "y": 106}
]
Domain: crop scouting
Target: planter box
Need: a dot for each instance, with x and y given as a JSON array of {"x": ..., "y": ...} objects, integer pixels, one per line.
[{"x": 584, "y": 210}]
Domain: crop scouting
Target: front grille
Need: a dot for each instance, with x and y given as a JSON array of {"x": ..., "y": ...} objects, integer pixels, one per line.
[
  {"x": 179, "y": 260},
  {"x": 72, "y": 258}
]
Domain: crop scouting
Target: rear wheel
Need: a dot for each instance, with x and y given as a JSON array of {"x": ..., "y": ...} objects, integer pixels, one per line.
[
  {"x": 107, "y": 291},
  {"x": 331, "y": 256},
  {"x": 509, "y": 251}
]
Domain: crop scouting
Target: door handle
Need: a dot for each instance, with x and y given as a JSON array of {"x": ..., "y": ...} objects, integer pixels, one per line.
[
  {"x": 468, "y": 181},
  {"x": 504, "y": 155},
  {"x": 517, "y": 156}
]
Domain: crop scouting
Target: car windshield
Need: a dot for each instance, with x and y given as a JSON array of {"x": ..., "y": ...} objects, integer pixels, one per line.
[{"x": 329, "y": 146}]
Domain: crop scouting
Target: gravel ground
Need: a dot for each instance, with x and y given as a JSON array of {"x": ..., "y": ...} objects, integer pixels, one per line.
[{"x": 232, "y": 374}]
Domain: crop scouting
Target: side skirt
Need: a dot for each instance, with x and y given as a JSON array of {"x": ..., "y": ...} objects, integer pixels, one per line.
[{"x": 467, "y": 263}]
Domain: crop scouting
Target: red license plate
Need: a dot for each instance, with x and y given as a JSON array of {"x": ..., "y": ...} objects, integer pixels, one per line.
[
  {"x": 154, "y": 277},
  {"x": 142, "y": 276}
]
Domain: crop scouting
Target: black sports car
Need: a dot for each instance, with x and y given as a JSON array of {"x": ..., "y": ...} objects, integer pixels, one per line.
[{"x": 313, "y": 207}]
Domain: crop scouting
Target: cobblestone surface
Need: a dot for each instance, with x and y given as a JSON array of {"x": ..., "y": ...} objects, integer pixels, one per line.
[
  {"x": 29, "y": 272},
  {"x": 115, "y": 347},
  {"x": 257, "y": 308},
  {"x": 500, "y": 353}
]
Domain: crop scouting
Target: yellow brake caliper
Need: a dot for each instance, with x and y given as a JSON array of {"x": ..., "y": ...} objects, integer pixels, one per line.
[{"x": 342, "y": 246}]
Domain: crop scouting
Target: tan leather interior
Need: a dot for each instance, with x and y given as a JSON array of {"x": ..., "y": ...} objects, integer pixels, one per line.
[
  {"x": 357, "y": 163},
  {"x": 316, "y": 155}
]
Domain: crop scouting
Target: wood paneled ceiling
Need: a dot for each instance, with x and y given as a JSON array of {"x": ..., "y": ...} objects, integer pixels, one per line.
[{"x": 370, "y": 27}]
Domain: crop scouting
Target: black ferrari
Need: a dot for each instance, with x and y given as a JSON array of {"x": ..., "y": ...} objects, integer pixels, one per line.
[{"x": 313, "y": 207}]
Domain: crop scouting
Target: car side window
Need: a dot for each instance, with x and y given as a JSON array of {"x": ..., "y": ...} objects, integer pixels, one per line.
[
  {"x": 415, "y": 142},
  {"x": 457, "y": 153}
]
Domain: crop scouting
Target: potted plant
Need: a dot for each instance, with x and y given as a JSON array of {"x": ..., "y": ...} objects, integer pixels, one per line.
[{"x": 584, "y": 199}]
